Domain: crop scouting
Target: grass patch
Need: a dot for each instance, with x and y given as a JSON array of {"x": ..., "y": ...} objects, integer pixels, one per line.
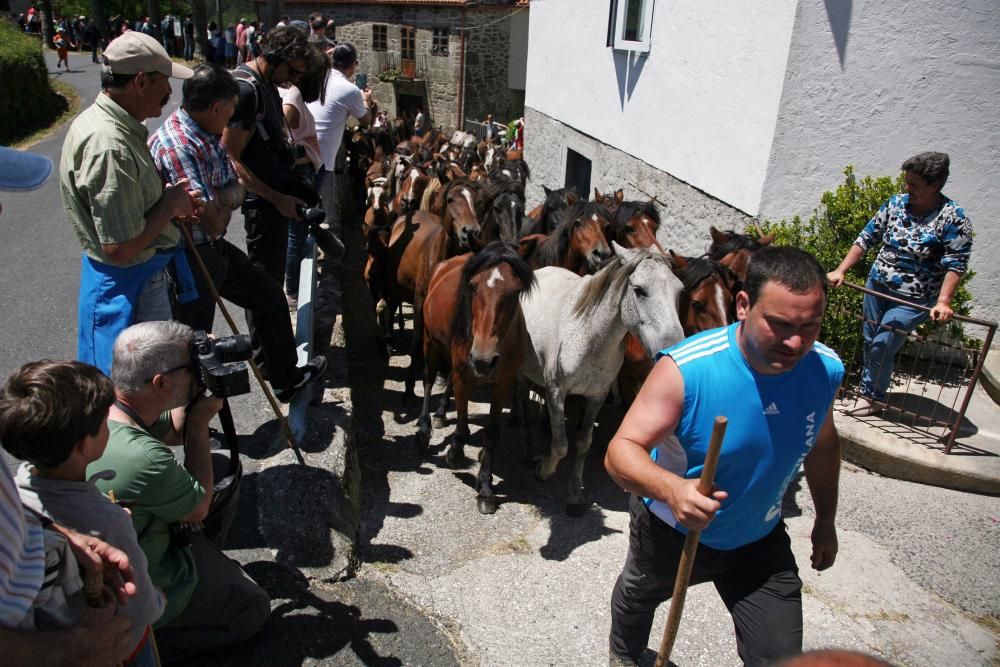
[
  {"x": 883, "y": 615},
  {"x": 70, "y": 107},
  {"x": 517, "y": 546}
]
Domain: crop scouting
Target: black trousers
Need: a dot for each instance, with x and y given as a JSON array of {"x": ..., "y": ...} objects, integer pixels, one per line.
[
  {"x": 247, "y": 285},
  {"x": 758, "y": 582},
  {"x": 267, "y": 237}
]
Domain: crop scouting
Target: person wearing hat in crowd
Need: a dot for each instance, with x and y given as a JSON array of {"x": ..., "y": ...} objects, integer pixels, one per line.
[
  {"x": 62, "y": 43},
  {"x": 340, "y": 100},
  {"x": 119, "y": 208},
  {"x": 98, "y": 637}
]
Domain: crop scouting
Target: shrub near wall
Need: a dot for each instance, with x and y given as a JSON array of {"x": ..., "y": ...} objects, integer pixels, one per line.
[
  {"x": 27, "y": 101},
  {"x": 830, "y": 232}
]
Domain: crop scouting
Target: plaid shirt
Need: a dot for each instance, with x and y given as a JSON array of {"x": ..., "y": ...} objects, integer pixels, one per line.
[{"x": 181, "y": 149}]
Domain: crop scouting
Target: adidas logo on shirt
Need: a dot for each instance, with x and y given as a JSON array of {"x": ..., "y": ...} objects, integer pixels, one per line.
[{"x": 772, "y": 410}]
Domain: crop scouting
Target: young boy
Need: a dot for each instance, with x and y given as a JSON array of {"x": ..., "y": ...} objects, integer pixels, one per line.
[
  {"x": 53, "y": 414},
  {"x": 61, "y": 42}
]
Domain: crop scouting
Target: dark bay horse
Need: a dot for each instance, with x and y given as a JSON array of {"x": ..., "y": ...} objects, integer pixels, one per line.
[
  {"x": 733, "y": 250},
  {"x": 546, "y": 216},
  {"x": 578, "y": 243},
  {"x": 429, "y": 239},
  {"x": 474, "y": 324},
  {"x": 501, "y": 210}
]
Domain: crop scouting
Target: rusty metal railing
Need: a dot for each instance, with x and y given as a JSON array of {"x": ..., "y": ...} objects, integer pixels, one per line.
[{"x": 933, "y": 376}]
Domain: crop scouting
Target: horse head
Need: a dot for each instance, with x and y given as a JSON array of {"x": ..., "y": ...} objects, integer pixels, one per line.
[
  {"x": 636, "y": 224},
  {"x": 707, "y": 300},
  {"x": 587, "y": 222},
  {"x": 501, "y": 209},
  {"x": 459, "y": 211},
  {"x": 650, "y": 298},
  {"x": 412, "y": 184},
  {"x": 733, "y": 250},
  {"x": 611, "y": 201},
  {"x": 488, "y": 304}
]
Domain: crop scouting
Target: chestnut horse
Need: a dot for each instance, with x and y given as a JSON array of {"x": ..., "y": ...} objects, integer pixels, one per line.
[
  {"x": 733, "y": 250},
  {"x": 472, "y": 318},
  {"x": 578, "y": 243},
  {"x": 611, "y": 201},
  {"x": 429, "y": 239},
  {"x": 707, "y": 301},
  {"x": 635, "y": 225},
  {"x": 412, "y": 183}
]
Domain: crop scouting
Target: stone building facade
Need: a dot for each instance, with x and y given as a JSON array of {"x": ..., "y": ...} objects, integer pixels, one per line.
[{"x": 461, "y": 54}]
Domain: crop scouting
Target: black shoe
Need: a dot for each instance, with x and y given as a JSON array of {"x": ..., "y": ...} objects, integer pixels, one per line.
[
  {"x": 331, "y": 246},
  {"x": 311, "y": 372}
]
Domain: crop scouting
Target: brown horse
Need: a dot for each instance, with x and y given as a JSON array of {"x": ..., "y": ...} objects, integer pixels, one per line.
[
  {"x": 635, "y": 225},
  {"x": 428, "y": 239},
  {"x": 412, "y": 184},
  {"x": 445, "y": 171},
  {"x": 733, "y": 250},
  {"x": 578, "y": 243},
  {"x": 611, "y": 201},
  {"x": 473, "y": 318}
]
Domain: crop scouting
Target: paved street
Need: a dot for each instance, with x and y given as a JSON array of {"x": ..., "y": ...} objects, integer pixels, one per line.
[{"x": 917, "y": 580}]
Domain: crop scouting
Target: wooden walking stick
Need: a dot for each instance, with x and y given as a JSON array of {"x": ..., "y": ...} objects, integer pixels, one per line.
[
  {"x": 232, "y": 325},
  {"x": 690, "y": 547}
]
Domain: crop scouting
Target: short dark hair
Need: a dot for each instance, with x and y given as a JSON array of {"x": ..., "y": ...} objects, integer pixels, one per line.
[
  {"x": 286, "y": 43},
  {"x": 318, "y": 23},
  {"x": 931, "y": 166},
  {"x": 46, "y": 407},
  {"x": 208, "y": 85},
  {"x": 794, "y": 268},
  {"x": 110, "y": 80},
  {"x": 344, "y": 55}
]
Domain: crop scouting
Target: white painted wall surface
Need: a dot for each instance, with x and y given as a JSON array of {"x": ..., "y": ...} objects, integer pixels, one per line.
[
  {"x": 916, "y": 75},
  {"x": 702, "y": 105},
  {"x": 517, "y": 61}
]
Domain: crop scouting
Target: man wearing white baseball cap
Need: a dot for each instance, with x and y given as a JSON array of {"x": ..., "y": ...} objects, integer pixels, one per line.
[{"x": 120, "y": 209}]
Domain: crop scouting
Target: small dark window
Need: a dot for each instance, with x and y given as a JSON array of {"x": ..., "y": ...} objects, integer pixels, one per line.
[
  {"x": 577, "y": 172},
  {"x": 380, "y": 40},
  {"x": 439, "y": 44}
]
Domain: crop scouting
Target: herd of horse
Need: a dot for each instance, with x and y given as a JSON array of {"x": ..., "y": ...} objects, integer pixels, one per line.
[{"x": 572, "y": 298}]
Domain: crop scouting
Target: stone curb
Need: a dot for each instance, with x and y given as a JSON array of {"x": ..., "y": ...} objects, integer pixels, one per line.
[
  {"x": 892, "y": 456},
  {"x": 990, "y": 377}
]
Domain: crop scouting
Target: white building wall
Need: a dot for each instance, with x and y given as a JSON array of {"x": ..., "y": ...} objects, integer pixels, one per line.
[
  {"x": 701, "y": 106},
  {"x": 872, "y": 83}
]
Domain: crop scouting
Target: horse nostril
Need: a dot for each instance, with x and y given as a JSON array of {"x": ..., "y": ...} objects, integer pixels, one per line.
[{"x": 486, "y": 366}]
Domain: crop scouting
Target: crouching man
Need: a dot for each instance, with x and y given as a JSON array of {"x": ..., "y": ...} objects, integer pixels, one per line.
[{"x": 211, "y": 602}]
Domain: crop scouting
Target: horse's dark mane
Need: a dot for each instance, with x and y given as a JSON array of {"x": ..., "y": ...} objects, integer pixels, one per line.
[
  {"x": 630, "y": 209},
  {"x": 497, "y": 252},
  {"x": 733, "y": 243},
  {"x": 611, "y": 280},
  {"x": 493, "y": 189},
  {"x": 697, "y": 270},
  {"x": 550, "y": 251}
]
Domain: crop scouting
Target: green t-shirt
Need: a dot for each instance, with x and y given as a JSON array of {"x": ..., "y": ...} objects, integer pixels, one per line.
[{"x": 161, "y": 492}]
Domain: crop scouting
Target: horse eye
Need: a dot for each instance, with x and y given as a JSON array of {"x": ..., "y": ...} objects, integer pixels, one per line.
[
  {"x": 629, "y": 229},
  {"x": 641, "y": 292},
  {"x": 698, "y": 306},
  {"x": 451, "y": 200}
]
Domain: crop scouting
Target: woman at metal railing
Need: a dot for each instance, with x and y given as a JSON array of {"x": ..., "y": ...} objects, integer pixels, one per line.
[{"x": 926, "y": 241}]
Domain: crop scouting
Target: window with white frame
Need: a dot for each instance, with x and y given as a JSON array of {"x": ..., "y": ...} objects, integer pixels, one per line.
[{"x": 629, "y": 24}]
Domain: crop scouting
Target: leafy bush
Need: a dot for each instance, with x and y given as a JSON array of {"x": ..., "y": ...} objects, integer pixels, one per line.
[
  {"x": 830, "y": 232},
  {"x": 28, "y": 101}
]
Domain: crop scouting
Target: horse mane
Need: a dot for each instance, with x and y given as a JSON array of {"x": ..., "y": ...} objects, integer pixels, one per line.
[
  {"x": 493, "y": 189},
  {"x": 630, "y": 209},
  {"x": 496, "y": 252},
  {"x": 698, "y": 269},
  {"x": 550, "y": 251},
  {"x": 734, "y": 243},
  {"x": 611, "y": 281}
]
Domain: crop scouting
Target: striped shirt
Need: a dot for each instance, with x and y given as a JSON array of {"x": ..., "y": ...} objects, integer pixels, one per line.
[
  {"x": 22, "y": 555},
  {"x": 108, "y": 181},
  {"x": 182, "y": 149}
]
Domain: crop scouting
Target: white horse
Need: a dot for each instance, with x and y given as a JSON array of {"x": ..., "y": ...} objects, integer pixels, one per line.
[{"x": 577, "y": 325}]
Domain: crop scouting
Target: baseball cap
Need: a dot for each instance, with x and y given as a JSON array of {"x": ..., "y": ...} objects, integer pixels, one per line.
[
  {"x": 134, "y": 51},
  {"x": 20, "y": 170}
]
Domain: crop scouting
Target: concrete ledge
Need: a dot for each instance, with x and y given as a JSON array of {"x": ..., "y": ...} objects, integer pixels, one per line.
[
  {"x": 870, "y": 447},
  {"x": 990, "y": 377}
]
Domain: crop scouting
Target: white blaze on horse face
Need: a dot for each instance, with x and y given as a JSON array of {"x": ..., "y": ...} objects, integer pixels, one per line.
[
  {"x": 495, "y": 276},
  {"x": 720, "y": 303},
  {"x": 468, "y": 198}
]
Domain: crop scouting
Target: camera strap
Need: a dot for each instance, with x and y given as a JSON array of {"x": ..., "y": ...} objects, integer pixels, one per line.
[{"x": 132, "y": 415}]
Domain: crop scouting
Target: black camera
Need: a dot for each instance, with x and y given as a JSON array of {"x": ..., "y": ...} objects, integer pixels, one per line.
[{"x": 223, "y": 370}]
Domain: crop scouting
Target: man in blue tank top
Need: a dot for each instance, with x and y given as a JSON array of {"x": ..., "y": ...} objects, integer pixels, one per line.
[{"x": 776, "y": 384}]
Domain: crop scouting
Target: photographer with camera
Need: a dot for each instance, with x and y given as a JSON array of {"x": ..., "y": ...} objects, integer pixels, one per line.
[
  {"x": 211, "y": 602},
  {"x": 188, "y": 146}
]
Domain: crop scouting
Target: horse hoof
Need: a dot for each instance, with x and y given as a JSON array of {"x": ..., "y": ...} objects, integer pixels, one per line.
[
  {"x": 438, "y": 422},
  {"x": 423, "y": 441},
  {"x": 455, "y": 458},
  {"x": 486, "y": 505},
  {"x": 540, "y": 472},
  {"x": 576, "y": 510}
]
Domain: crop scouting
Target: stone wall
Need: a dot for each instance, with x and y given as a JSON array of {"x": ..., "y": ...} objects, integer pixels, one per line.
[
  {"x": 686, "y": 212},
  {"x": 486, "y": 65}
]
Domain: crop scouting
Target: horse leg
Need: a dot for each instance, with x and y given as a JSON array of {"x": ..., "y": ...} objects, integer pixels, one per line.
[
  {"x": 486, "y": 502},
  {"x": 424, "y": 423},
  {"x": 456, "y": 453},
  {"x": 416, "y": 350},
  {"x": 577, "y": 503},
  {"x": 555, "y": 402},
  {"x": 440, "y": 415}
]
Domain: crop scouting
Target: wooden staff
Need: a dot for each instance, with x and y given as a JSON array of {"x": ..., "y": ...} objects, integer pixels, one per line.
[
  {"x": 232, "y": 325},
  {"x": 690, "y": 547}
]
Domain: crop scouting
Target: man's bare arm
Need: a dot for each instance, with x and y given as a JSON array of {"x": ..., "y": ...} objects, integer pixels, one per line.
[{"x": 822, "y": 468}]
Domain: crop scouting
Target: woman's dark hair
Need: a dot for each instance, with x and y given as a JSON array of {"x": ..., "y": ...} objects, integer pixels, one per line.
[
  {"x": 47, "y": 407},
  {"x": 313, "y": 80},
  {"x": 794, "y": 268},
  {"x": 286, "y": 43},
  {"x": 930, "y": 166},
  {"x": 210, "y": 84}
]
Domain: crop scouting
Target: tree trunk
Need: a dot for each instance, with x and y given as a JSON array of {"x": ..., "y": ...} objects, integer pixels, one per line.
[
  {"x": 48, "y": 25},
  {"x": 155, "y": 16},
  {"x": 272, "y": 13},
  {"x": 200, "y": 29},
  {"x": 97, "y": 13}
]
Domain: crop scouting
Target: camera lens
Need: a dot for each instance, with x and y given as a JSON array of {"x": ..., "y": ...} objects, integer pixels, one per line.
[{"x": 233, "y": 348}]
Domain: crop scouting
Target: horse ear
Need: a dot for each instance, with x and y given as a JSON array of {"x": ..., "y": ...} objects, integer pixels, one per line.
[
  {"x": 619, "y": 196},
  {"x": 597, "y": 195},
  {"x": 717, "y": 236},
  {"x": 526, "y": 246},
  {"x": 625, "y": 253},
  {"x": 544, "y": 189},
  {"x": 678, "y": 261},
  {"x": 572, "y": 197},
  {"x": 767, "y": 239}
]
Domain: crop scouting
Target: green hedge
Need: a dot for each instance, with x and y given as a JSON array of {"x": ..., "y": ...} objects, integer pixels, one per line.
[
  {"x": 830, "y": 232},
  {"x": 27, "y": 102}
]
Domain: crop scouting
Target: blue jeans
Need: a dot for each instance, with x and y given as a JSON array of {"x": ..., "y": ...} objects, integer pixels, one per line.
[
  {"x": 882, "y": 344},
  {"x": 188, "y": 47},
  {"x": 297, "y": 232},
  {"x": 154, "y": 301}
]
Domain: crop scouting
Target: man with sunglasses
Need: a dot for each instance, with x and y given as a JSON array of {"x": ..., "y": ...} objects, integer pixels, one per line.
[{"x": 211, "y": 602}]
